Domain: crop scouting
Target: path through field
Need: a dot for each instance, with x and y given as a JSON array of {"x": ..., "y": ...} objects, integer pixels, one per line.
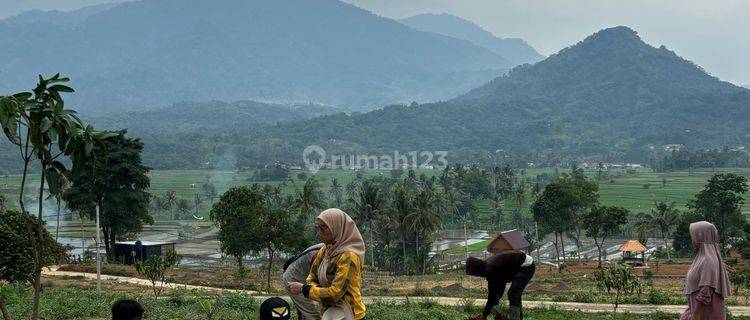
[{"x": 447, "y": 301}]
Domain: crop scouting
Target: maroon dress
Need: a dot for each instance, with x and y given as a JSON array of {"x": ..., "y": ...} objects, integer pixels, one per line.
[{"x": 712, "y": 303}]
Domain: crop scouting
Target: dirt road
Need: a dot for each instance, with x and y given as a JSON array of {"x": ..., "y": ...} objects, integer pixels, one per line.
[{"x": 447, "y": 301}]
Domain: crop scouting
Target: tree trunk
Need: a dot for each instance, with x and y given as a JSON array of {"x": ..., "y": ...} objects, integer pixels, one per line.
[
  {"x": 270, "y": 267},
  {"x": 57, "y": 228},
  {"x": 39, "y": 241},
  {"x": 6, "y": 314},
  {"x": 599, "y": 251},
  {"x": 403, "y": 245},
  {"x": 240, "y": 267},
  {"x": 83, "y": 242},
  {"x": 562, "y": 246},
  {"x": 372, "y": 247},
  {"x": 26, "y": 159},
  {"x": 466, "y": 242},
  {"x": 557, "y": 252},
  {"x": 105, "y": 231},
  {"x": 666, "y": 245}
]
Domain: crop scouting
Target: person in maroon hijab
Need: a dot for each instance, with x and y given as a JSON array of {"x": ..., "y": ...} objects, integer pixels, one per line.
[
  {"x": 513, "y": 267},
  {"x": 707, "y": 283}
]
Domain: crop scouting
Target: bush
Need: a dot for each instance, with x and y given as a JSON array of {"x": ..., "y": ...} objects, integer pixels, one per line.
[{"x": 658, "y": 297}]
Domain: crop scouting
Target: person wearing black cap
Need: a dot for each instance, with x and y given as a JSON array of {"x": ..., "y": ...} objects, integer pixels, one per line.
[
  {"x": 127, "y": 310},
  {"x": 512, "y": 266},
  {"x": 275, "y": 309}
]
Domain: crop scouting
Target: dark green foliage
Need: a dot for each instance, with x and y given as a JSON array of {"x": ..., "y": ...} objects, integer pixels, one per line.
[
  {"x": 602, "y": 222},
  {"x": 115, "y": 179},
  {"x": 248, "y": 225},
  {"x": 712, "y": 158},
  {"x": 17, "y": 252},
  {"x": 682, "y": 243},
  {"x": 719, "y": 203},
  {"x": 275, "y": 172}
]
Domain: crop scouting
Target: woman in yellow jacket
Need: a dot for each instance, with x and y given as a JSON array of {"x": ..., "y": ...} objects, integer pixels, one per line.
[{"x": 336, "y": 273}]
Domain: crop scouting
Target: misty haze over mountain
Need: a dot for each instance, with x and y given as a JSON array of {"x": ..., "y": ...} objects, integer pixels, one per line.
[{"x": 322, "y": 51}]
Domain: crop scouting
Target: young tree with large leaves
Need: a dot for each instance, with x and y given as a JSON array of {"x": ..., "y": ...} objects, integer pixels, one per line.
[
  {"x": 115, "y": 179},
  {"x": 43, "y": 129},
  {"x": 719, "y": 202},
  {"x": 601, "y": 222}
]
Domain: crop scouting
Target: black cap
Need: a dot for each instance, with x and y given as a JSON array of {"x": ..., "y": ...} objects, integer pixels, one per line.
[{"x": 275, "y": 309}]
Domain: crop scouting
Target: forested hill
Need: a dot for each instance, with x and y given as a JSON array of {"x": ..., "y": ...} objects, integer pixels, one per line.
[
  {"x": 611, "y": 96},
  {"x": 514, "y": 49},
  {"x": 150, "y": 53}
]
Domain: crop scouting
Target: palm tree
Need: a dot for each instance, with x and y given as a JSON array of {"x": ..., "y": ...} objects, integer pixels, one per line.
[
  {"x": 664, "y": 216},
  {"x": 170, "y": 200},
  {"x": 335, "y": 190},
  {"x": 63, "y": 184},
  {"x": 311, "y": 198},
  {"x": 402, "y": 204},
  {"x": 366, "y": 206},
  {"x": 424, "y": 220}
]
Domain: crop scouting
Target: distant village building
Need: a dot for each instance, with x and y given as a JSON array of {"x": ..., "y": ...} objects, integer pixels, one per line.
[
  {"x": 607, "y": 165},
  {"x": 673, "y": 147}
]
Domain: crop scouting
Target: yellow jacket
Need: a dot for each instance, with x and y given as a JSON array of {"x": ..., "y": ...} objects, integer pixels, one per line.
[{"x": 344, "y": 274}]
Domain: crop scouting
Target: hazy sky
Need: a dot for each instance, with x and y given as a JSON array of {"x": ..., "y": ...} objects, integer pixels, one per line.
[{"x": 715, "y": 34}]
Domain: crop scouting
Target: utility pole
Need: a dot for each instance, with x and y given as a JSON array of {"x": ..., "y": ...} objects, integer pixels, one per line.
[{"x": 98, "y": 258}]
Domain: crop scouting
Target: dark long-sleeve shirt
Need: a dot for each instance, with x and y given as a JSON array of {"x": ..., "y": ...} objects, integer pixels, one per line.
[{"x": 500, "y": 269}]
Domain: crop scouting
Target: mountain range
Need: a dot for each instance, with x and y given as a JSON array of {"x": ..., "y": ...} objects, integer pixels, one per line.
[
  {"x": 514, "y": 49},
  {"x": 151, "y": 53},
  {"x": 609, "y": 97}
]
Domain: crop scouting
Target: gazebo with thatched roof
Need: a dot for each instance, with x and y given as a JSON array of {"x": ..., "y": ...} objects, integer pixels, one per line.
[{"x": 630, "y": 251}]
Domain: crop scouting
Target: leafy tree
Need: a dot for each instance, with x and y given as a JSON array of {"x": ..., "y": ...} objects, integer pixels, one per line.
[
  {"x": 719, "y": 202},
  {"x": 170, "y": 201},
  {"x": 559, "y": 206},
  {"x": 115, "y": 180},
  {"x": 209, "y": 189},
  {"x": 683, "y": 243},
  {"x": 155, "y": 268},
  {"x": 184, "y": 207},
  {"x": 247, "y": 225},
  {"x": 602, "y": 222},
  {"x": 17, "y": 254},
  {"x": 63, "y": 186}
]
